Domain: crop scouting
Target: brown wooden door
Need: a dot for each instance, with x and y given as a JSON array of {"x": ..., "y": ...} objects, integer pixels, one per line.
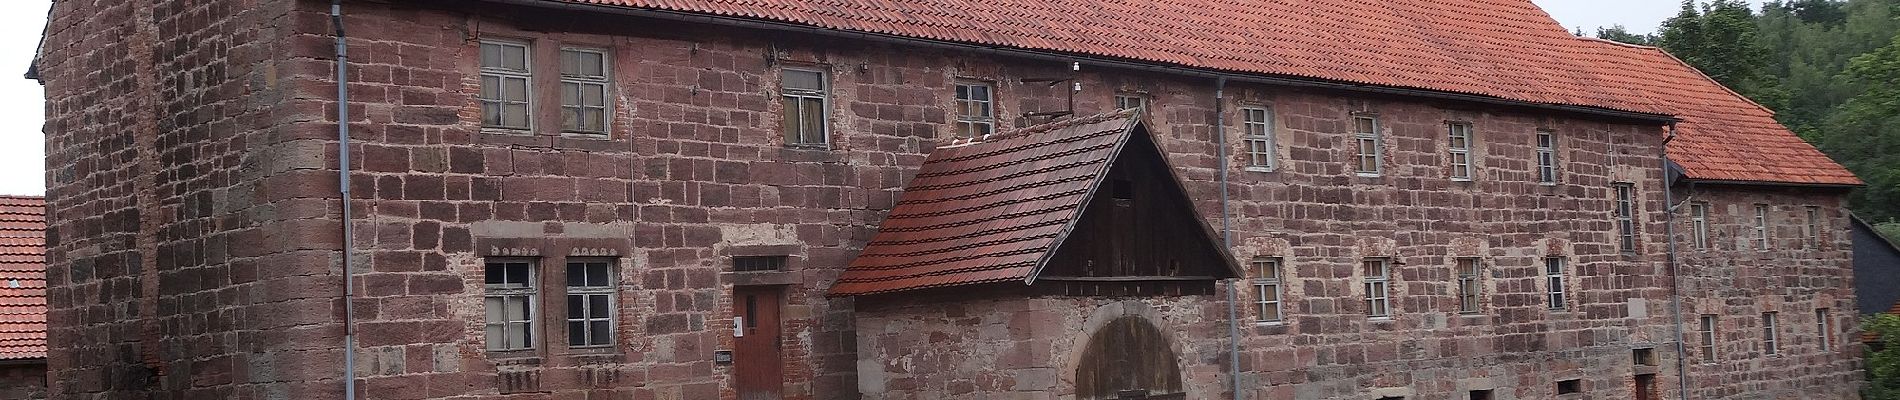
[
  {"x": 1646, "y": 387},
  {"x": 756, "y": 360}
]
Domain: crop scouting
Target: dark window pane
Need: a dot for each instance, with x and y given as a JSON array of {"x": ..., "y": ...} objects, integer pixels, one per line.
[
  {"x": 597, "y": 274},
  {"x": 576, "y": 274},
  {"x": 494, "y": 273},
  {"x": 597, "y": 306},
  {"x": 518, "y": 274},
  {"x": 575, "y": 306},
  {"x": 577, "y": 333},
  {"x": 602, "y": 331}
]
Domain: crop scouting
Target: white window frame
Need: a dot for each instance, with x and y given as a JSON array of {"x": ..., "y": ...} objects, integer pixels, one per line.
[
  {"x": 1813, "y": 233},
  {"x": 504, "y": 291},
  {"x": 1269, "y": 278},
  {"x": 1378, "y": 287},
  {"x": 588, "y": 290},
  {"x": 1770, "y": 337},
  {"x": 823, "y": 94},
  {"x": 1470, "y": 284},
  {"x": 1368, "y": 146},
  {"x": 966, "y": 125},
  {"x": 1547, "y": 157},
  {"x": 604, "y": 81},
  {"x": 1626, "y": 216},
  {"x": 502, "y": 74},
  {"x": 1761, "y": 227},
  {"x": 1824, "y": 328},
  {"x": 1122, "y": 102},
  {"x": 1707, "y": 332},
  {"x": 1699, "y": 217},
  {"x": 1257, "y": 134},
  {"x": 1556, "y": 290},
  {"x": 1463, "y": 167}
]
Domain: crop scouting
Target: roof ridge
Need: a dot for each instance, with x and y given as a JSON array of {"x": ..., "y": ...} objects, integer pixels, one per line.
[{"x": 1047, "y": 127}]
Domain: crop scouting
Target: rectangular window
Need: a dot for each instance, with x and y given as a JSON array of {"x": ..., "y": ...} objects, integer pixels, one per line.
[
  {"x": 1569, "y": 386},
  {"x": 1554, "y": 282},
  {"x": 590, "y": 303},
  {"x": 1626, "y": 217},
  {"x": 1707, "y": 332},
  {"x": 976, "y": 112},
  {"x": 1761, "y": 227},
  {"x": 758, "y": 263},
  {"x": 508, "y": 297},
  {"x": 1460, "y": 150},
  {"x": 1368, "y": 147},
  {"x": 1378, "y": 288},
  {"x": 1813, "y": 232},
  {"x": 1266, "y": 284},
  {"x": 1257, "y": 132},
  {"x": 1699, "y": 215},
  {"x": 1770, "y": 343},
  {"x": 584, "y": 83},
  {"x": 1546, "y": 157},
  {"x": 504, "y": 96},
  {"x": 1480, "y": 394},
  {"x": 1129, "y": 102},
  {"x": 805, "y": 96},
  {"x": 1470, "y": 284},
  {"x": 1823, "y": 328}
]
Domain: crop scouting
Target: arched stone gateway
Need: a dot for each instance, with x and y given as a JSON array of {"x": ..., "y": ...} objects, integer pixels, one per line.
[{"x": 1128, "y": 359}]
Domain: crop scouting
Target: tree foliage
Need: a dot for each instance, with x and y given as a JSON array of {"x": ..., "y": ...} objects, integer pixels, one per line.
[{"x": 1883, "y": 365}]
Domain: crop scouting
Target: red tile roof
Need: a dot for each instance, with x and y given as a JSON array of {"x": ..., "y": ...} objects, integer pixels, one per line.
[
  {"x": 1507, "y": 49},
  {"x": 991, "y": 211},
  {"x": 22, "y": 277}
]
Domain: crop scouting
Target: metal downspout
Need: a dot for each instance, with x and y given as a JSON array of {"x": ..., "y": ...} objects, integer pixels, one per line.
[
  {"x": 1227, "y": 238},
  {"x": 343, "y": 190},
  {"x": 1675, "y": 272}
]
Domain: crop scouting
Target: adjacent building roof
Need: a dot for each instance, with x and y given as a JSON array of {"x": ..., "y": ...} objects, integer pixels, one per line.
[
  {"x": 1505, "y": 49},
  {"x": 22, "y": 278},
  {"x": 990, "y": 211}
]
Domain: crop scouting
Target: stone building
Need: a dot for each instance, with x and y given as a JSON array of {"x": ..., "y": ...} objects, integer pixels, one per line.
[{"x": 1337, "y": 199}]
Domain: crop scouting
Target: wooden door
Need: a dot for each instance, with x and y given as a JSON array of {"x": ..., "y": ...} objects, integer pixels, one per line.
[
  {"x": 1646, "y": 387},
  {"x": 756, "y": 362},
  {"x": 1128, "y": 359}
]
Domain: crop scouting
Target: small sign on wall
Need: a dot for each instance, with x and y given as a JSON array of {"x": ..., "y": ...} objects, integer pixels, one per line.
[{"x": 722, "y": 357}]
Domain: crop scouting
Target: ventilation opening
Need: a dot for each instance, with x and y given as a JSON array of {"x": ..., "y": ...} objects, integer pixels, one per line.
[
  {"x": 1644, "y": 357},
  {"x": 1481, "y": 395},
  {"x": 1570, "y": 386},
  {"x": 1124, "y": 189},
  {"x": 758, "y": 263}
]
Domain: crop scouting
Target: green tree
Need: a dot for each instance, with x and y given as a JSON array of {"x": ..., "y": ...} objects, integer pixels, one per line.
[
  {"x": 1864, "y": 133},
  {"x": 1722, "y": 39},
  {"x": 1883, "y": 365},
  {"x": 1621, "y": 34}
]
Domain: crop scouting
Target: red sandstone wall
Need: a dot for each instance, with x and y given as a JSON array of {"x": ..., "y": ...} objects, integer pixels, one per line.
[{"x": 23, "y": 382}]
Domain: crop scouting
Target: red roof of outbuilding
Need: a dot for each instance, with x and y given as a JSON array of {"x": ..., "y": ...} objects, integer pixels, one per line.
[
  {"x": 991, "y": 211},
  {"x": 22, "y": 277},
  {"x": 1505, "y": 49}
]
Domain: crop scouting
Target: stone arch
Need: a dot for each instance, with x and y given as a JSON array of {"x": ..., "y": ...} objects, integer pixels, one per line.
[{"x": 1126, "y": 354}]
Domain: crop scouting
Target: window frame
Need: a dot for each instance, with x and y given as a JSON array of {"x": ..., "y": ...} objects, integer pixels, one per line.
[
  {"x": 1368, "y": 144},
  {"x": 1625, "y": 212},
  {"x": 1813, "y": 229},
  {"x": 1260, "y": 146},
  {"x": 588, "y": 292},
  {"x": 1706, "y": 330},
  {"x": 1379, "y": 301},
  {"x": 1824, "y": 328},
  {"x": 1465, "y": 171},
  {"x": 530, "y": 291},
  {"x": 1699, "y": 224},
  {"x": 965, "y": 124},
  {"x": 1546, "y": 144},
  {"x": 1470, "y": 273},
  {"x": 822, "y": 94},
  {"x": 1770, "y": 333},
  {"x": 1264, "y": 284},
  {"x": 604, "y": 81},
  {"x": 1761, "y": 227},
  {"x": 1556, "y": 289},
  {"x": 1141, "y": 102},
  {"x": 502, "y": 75}
]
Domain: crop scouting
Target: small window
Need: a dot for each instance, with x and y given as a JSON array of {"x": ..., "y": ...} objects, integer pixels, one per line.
[
  {"x": 1707, "y": 333},
  {"x": 1626, "y": 217},
  {"x": 1554, "y": 282},
  {"x": 1459, "y": 148},
  {"x": 1130, "y": 102},
  {"x": 976, "y": 112},
  {"x": 1266, "y": 285},
  {"x": 590, "y": 303},
  {"x": 1546, "y": 157},
  {"x": 1480, "y": 395},
  {"x": 1813, "y": 232},
  {"x": 584, "y": 83},
  {"x": 758, "y": 263},
  {"x": 1470, "y": 284},
  {"x": 504, "y": 93},
  {"x": 1570, "y": 386},
  {"x": 1770, "y": 339},
  {"x": 508, "y": 298},
  {"x": 1643, "y": 357},
  {"x": 1699, "y": 215},
  {"x": 804, "y": 117},
  {"x": 1824, "y": 328},
  {"x": 1378, "y": 288},
  {"x": 1761, "y": 227},
  {"x": 1368, "y": 147},
  {"x": 1257, "y": 124}
]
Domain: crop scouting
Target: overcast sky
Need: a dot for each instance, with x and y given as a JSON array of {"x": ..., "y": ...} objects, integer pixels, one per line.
[{"x": 22, "y": 113}]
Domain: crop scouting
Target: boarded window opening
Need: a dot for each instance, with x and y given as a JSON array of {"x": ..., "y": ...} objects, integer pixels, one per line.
[{"x": 758, "y": 263}]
